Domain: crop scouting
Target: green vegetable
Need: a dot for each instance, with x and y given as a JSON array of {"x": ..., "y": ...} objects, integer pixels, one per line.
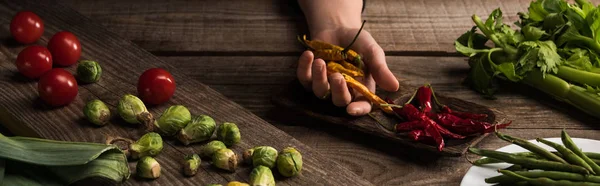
[
  {"x": 555, "y": 51},
  {"x": 210, "y": 148},
  {"x": 225, "y": 159},
  {"x": 569, "y": 155},
  {"x": 531, "y": 147},
  {"x": 261, "y": 176},
  {"x": 97, "y": 112},
  {"x": 529, "y": 162},
  {"x": 89, "y": 71},
  {"x": 265, "y": 156},
  {"x": 544, "y": 180},
  {"x": 199, "y": 129},
  {"x": 555, "y": 175},
  {"x": 150, "y": 144},
  {"x": 229, "y": 133},
  {"x": 237, "y": 183},
  {"x": 289, "y": 162},
  {"x": 214, "y": 184},
  {"x": 148, "y": 167},
  {"x": 34, "y": 161},
  {"x": 133, "y": 110},
  {"x": 247, "y": 156},
  {"x": 191, "y": 165},
  {"x": 566, "y": 139},
  {"x": 173, "y": 119}
]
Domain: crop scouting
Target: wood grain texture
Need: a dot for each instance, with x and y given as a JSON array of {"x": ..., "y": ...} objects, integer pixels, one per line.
[
  {"x": 251, "y": 81},
  {"x": 270, "y": 26},
  {"x": 24, "y": 114}
]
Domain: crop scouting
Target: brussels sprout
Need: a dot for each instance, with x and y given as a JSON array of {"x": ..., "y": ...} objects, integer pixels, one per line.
[
  {"x": 207, "y": 150},
  {"x": 173, "y": 119},
  {"x": 264, "y": 155},
  {"x": 225, "y": 159},
  {"x": 148, "y": 167},
  {"x": 289, "y": 162},
  {"x": 150, "y": 144},
  {"x": 261, "y": 176},
  {"x": 199, "y": 129},
  {"x": 214, "y": 184},
  {"x": 229, "y": 134},
  {"x": 133, "y": 110},
  {"x": 247, "y": 156},
  {"x": 191, "y": 165},
  {"x": 89, "y": 71},
  {"x": 237, "y": 183},
  {"x": 96, "y": 112}
]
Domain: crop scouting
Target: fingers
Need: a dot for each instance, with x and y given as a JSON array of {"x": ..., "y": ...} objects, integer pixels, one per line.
[
  {"x": 374, "y": 58},
  {"x": 304, "y": 70},
  {"x": 340, "y": 96},
  {"x": 361, "y": 106},
  {"x": 320, "y": 86}
]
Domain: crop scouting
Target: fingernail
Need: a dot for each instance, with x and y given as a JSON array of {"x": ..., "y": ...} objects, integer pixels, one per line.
[{"x": 355, "y": 111}]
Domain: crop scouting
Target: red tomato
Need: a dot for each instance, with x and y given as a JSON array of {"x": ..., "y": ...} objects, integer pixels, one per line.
[
  {"x": 57, "y": 87},
  {"x": 26, "y": 27},
  {"x": 65, "y": 48},
  {"x": 34, "y": 61},
  {"x": 156, "y": 86}
]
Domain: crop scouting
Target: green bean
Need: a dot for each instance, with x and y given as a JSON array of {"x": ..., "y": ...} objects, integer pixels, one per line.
[
  {"x": 592, "y": 155},
  {"x": 484, "y": 161},
  {"x": 555, "y": 175},
  {"x": 515, "y": 168},
  {"x": 569, "y": 155},
  {"x": 529, "y": 162},
  {"x": 566, "y": 139},
  {"x": 546, "y": 181},
  {"x": 531, "y": 147}
]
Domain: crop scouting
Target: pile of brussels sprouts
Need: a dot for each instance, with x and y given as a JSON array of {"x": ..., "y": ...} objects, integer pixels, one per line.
[{"x": 177, "y": 121}]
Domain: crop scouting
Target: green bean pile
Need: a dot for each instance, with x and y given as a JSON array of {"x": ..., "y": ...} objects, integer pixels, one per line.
[{"x": 568, "y": 165}]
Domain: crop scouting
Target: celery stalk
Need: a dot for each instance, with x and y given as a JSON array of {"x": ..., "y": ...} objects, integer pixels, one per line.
[
  {"x": 561, "y": 90},
  {"x": 578, "y": 76}
]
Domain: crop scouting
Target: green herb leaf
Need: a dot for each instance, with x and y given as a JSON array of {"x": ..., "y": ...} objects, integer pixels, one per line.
[
  {"x": 578, "y": 20},
  {"x": 479, "y": 78},
  {"x": 537, "y": 11},
  {"x": 532, "y": 33},
  {"x": 554, "y": 21},
  {"x": 548, "y": 59},
  {"x": 555, "y": 6},
  {"x": 593, "y": 21},
  {"x": 508, "y": 70}
]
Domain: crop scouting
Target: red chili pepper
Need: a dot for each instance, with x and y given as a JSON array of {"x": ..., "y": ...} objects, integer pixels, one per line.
[
  {"x": 465, "y": 126},
  {"x": 431, "y": 130},
  {"x": 443, "y": 130},
  {"x": 417, "y": 135},
  {"x": 464, "y": 115},
  {"x": 409, "y": 125},
  {"x": 424, "y": 97}
]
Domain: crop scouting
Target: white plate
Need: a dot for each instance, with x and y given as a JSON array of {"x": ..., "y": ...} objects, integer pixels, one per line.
[{"x": 476, "y": 175}]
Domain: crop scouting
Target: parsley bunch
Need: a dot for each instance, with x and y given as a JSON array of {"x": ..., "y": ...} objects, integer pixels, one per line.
[{"x": 555, "y": 49}]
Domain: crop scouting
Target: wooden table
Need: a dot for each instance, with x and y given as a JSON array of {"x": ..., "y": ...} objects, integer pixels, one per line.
[{"x": 246, "y": 50}]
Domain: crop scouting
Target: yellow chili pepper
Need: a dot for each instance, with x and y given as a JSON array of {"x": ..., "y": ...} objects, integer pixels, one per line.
[
  {"x": 339, "y": 68},
  {"x": 362, "y": 89},
  {"x": 350, "y": 66}
]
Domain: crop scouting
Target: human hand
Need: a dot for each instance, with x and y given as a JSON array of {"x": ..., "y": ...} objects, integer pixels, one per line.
[{"x": 312, "y": 73}]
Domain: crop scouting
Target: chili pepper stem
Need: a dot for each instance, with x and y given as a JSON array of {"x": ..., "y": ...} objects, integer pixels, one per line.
[
  {"x": 303, "y": 42},
  {"x": 353, "y": 40},
  {"x": 391, "y": 105},
  {"x": 434, "y": 97},
  {"x": 412, "y": 97}
]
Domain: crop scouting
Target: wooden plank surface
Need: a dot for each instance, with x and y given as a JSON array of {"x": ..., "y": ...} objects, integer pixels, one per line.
[
  {"x": 270, "y": 26},
  {"x": 24, "y": 114},
  {"x": 250, "y": 81}
]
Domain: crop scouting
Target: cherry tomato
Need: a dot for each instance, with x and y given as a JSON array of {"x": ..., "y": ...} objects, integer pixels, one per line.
[
  {"x": 156, "y": 86},
  {"x": 34, "y": 61},
  {"x": 26, "y": 27},
  {"x": 57, "y": 87},
  {"x": 65, "y": 48}
]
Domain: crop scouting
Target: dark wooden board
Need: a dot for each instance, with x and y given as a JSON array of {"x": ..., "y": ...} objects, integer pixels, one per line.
[
  {"x": 265, "y": 27},
  {"x": 23, "y": 113},
  {"x": 296, "y": 98}
]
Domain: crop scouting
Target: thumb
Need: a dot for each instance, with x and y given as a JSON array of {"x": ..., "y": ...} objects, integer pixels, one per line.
[{"x": 374, "y": 59}]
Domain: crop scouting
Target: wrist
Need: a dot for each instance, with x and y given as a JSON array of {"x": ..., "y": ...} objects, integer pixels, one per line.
[{"x": 332, "y": 14}]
